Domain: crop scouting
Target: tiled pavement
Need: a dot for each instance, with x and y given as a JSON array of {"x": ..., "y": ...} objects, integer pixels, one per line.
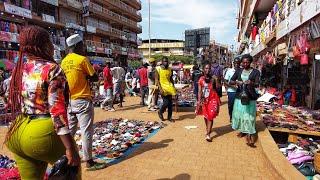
[{"x": 178, "y": 153}]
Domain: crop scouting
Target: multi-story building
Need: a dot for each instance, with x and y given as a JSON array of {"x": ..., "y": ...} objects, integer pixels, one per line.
[
  {"x": 164, "y": 47},
  {"x": 109, "y": 27},
  {"x": 283, "y": 37},
  {"x": 218, "y": 52}
]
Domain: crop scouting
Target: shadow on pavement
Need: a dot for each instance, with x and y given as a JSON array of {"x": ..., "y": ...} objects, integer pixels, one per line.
[
  {"x": 183, "y": 176},
  {"x": 222, "y": 130},
  {"x": 128, "y": 108},
  {"x": 145, "y": 147},
  {"x": 187, "y": 116}
]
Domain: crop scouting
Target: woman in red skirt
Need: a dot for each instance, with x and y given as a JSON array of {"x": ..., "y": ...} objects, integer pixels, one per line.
[{"x": 209, "y": 100}]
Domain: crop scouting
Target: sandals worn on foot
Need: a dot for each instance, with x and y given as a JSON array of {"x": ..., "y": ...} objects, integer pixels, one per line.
[
  {"x": 208, "y": 138},
  {"x": 96, "y": 166}
]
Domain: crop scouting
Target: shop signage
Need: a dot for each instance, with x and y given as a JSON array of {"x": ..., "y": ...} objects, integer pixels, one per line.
[
  {"x": 282, "y": 29},
  {"x": 309, "y": 9},
  {"x": 85, "y": 8},
  {"x": 48, "y": 18},
  {"x": 12, "y": 9},
  {"x": 75, "y": 26},
  {"x": 52, "y": 2},
  {"x": 91, "y": 29},
  {"x": 107, "y": 51},
  {"x": 100, "y": 50}
]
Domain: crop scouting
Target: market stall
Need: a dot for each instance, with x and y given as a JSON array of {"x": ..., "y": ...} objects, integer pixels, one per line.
[{"x": 292, "y": 120}]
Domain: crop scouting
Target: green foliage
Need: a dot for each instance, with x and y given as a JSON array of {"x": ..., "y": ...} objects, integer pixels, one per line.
[
  {"x": 173, "y": 58},
  {"x": 134, "y": 64}
]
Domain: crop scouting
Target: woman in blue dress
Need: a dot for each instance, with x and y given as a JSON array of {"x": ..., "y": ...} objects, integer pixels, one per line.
[{"x": 244, "y": 110}]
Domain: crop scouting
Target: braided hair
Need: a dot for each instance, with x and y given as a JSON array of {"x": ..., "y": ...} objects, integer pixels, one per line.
[{"x": 35, "y": 43}]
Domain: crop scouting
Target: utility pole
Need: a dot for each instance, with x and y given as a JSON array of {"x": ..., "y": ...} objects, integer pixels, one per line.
[{"x": 149, "y": 29}]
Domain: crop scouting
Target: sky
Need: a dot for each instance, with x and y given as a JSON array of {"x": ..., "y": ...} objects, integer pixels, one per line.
[{"x": 170, "y": 18}]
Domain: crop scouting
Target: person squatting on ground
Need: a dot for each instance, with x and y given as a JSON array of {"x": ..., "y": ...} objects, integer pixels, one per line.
[
  {"x": 244, "y": 109},
  {"x": 107, "y": 103},
  {"x": 209, "y": 101},
  {"x": 118, "y": 74},
  {"x": 231, "y": 89},
  {"x": 79, "y": 73},
  {"x": 143, "y": 76},
  {"x": 39, "y": 98},
  {"x": 153, "y": 88},
  {"x": 166, "y": 87}
]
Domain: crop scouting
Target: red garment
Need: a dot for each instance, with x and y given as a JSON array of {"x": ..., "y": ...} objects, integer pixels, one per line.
[
  {"x": 272, "y": 91},
  {"x": 293, "y": 99},
  {"x": 143, "y": 74},
  {"x": 107, "y": 76},
  {"x": 211, "y": 103},
  {"x": 254, "y": 32}
]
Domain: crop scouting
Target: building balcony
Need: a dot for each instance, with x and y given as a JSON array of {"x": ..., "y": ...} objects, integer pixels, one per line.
[
  {"x": 134, "y": 3},
  {"x": 74, "y": 5},
  {"x": 126, "y": 9},
  {"x": 104, "y": 13}
]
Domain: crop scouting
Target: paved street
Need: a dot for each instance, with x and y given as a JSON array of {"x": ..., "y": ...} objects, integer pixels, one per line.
[{"x": 178, "y": 153}]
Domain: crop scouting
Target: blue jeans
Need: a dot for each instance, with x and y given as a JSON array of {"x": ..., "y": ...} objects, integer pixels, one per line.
[
  {"x": 231, "y": 98},
  {"x": 196, "y": 90}
]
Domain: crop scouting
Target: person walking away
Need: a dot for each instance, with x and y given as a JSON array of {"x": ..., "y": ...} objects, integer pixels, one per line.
[
  {"x": 196, "y": 74},
  {"x": 217, "y": 71},
  {"x": 79, "y": 72},
  {"x": 118, "y": 74},
  {"x": 39, "y": 133},
  {"x": 128, "y": 79},
  {"x": 244, "y": 110},
  {"x": 208, "y": 99},
  {"x": 166, "y": 87},
  {"x": 108, "y": 88},
  {"x": 231, "y": 90},
  {"x": 143, "y": 76},
  {"x": 153, "y": 89}
]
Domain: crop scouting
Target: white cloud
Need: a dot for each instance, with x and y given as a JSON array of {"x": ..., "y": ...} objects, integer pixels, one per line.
[{"x": 219, "y": 15}]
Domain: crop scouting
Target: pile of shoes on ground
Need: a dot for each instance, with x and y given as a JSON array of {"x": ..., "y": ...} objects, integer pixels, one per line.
[
  {"x": 8, "y": 168},
  {"x": 186, "y": 97},
  {"x": 112, "y": 138},
  {"x": 301, "y": 154},
  {"x": 289, "y": 117}
]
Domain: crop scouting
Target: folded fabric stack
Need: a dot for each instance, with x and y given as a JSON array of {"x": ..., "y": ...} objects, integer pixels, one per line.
[
  {"x": 8, "y": 168},
  {"x": 301, "y": 155},
  {"x": 289, "y": 117},
  {"x": 112, "y": 138},
  {"x": 186, "y": 97}
]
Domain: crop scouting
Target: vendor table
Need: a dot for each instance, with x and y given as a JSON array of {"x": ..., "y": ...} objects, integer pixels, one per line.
[
  {"x": 178, "y": 87},
  {"x": 293, "y": 134}
]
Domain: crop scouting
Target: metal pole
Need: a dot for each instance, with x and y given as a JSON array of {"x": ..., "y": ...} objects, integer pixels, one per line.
[{"x": 149, "y": 29}]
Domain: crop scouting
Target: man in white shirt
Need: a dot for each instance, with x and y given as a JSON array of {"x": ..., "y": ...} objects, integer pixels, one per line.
[
  {"x": 118, "y": 74},
  {"x": 231, "y": 90}
]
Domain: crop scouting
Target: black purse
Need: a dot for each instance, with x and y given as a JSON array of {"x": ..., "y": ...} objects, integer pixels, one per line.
[
  {"x": 62, "y": 171},
  {"x": 244, "y": 97}
]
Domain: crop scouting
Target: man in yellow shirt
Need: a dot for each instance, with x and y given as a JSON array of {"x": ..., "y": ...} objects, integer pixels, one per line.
[
  {"x": 79, "y": 73},
  {"x": 167, "y": 90}
]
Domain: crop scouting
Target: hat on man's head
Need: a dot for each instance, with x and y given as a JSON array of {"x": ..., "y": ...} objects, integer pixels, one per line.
[{"x": 73, "y": 40}]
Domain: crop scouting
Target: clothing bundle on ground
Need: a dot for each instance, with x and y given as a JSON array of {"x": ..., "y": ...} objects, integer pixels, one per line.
[
  {"x": 289, "y": 117},
  {"x": 114, "y": 138},
  {"x": 186, "y": 97},
  {"x": 302, "y": 155},
  {"x": 8, "y": 169}
]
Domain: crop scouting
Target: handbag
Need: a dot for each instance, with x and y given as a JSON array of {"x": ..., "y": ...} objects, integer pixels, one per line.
[
  {"x": 314, "y": 30},
  {"x": 282, "y": 49},
  {"x": 244, "y": 97},
  {"x": 62, "y": 171}
]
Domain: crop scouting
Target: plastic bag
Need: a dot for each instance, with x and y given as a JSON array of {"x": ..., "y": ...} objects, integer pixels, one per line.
[{"x": 62, "y": 171}]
